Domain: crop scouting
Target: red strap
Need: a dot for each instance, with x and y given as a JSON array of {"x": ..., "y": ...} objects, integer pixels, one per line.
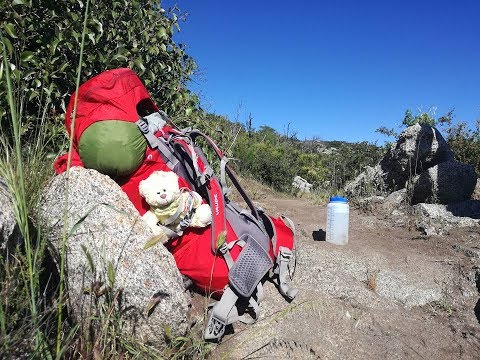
[
  {"x": 215, "y": 200},
  {"x": 217, "y": 203}
]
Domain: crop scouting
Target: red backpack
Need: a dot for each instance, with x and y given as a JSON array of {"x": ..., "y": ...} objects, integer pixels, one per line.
[{"x": 242, "y": 248}]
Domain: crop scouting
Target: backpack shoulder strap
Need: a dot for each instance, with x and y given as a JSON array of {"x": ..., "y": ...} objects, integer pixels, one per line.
[
  {"x": 148, "y": 126},
  {"x": 202, "y": 175}
]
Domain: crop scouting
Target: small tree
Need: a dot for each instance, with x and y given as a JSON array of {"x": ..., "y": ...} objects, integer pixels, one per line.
[{"x": 422, "y": 118}]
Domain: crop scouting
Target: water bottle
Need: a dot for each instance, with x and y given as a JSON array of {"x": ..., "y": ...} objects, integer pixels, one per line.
[{"x": 337, "y": 220}]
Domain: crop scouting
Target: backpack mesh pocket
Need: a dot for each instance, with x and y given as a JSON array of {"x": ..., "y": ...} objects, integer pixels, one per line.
[{"x": 250, "y": 267}]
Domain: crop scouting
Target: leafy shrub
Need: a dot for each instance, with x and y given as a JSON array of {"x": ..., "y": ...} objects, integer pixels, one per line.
[
  {"x": 275, "y": 159},
  {"x": 421, "y": 118},
  {"x": 134, "y": 33},
  {"x": 465, "y": 143}
]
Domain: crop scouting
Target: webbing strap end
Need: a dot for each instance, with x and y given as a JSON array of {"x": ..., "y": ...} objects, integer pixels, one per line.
[
  {"x": 222, "y": 313},
  {"x": 284, "y": 257}
]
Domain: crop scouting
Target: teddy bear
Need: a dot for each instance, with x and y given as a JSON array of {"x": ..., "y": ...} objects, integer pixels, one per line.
[{"x": 172, "y": 209}]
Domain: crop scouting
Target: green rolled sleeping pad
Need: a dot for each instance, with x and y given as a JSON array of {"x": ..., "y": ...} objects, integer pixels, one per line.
[{"x": 112, "y": 147}]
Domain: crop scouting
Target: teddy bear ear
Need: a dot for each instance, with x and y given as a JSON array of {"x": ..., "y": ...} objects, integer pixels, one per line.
[{"x": 171, "y": 176}]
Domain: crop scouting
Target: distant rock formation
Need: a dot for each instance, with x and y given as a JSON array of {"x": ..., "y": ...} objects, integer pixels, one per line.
[
  {"x": 418, "y": 148},
  {"x": 422, "y": 162},
  {"x": 301, "y": 184}
]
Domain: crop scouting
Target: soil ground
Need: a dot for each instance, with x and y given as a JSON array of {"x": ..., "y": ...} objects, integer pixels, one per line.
[{"x": 390, "y": 293}]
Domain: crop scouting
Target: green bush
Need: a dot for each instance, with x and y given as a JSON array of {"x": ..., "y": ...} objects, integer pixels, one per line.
[
  {"x": 42, "y": 40},
  {"x": 40, "y": 48},
  {"x": 275, "y": 159},
  {"x": 465, "y": 143}
]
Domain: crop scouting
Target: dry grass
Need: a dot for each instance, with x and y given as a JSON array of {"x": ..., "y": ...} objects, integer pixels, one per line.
[{"x": 372, "y": 280}]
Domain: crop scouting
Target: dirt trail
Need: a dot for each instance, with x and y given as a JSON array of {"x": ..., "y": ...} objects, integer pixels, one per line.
[{"x": 390, "y": 293}]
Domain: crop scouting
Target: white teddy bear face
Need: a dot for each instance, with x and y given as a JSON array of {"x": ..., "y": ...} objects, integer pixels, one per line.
[{"x": 160, "y": 188}]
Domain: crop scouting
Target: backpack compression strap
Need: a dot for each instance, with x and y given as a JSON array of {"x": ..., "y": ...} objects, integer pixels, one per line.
[{"x": 282, "y": 233}]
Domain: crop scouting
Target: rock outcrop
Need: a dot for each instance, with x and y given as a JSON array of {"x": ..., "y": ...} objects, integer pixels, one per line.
[
  {"x": 422, "y": 162},
  {"x": 301, "y": 184},
  {"x": 10, "y": 235},
  {"x": 418, "y": 148},
  {"x": 105, "y": 252},
  {"x": 368, "y": 182},
  {"x": 437, "y": 219},
  {"x": 445, "y": 183}
]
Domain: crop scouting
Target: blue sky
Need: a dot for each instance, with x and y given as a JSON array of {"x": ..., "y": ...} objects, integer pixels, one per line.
[{"x": 335, "y": 70}]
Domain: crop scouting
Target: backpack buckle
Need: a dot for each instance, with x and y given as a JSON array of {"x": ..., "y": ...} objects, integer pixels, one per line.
[
  {"x": 205, "y": 177},
  {"x": 214, "y": 329},
  {"x": 285, "y": 254},
  {"x": 142, "y": 125},
  {"x": 223, "y": 249}
]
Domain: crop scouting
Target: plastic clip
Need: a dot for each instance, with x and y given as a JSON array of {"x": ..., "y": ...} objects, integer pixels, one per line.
[
  {"x": 223, "y": 249},
  {"x": 205, "y": 177},
  {"x": 143, "y": 125},
  {"x": 215, "y": 329}
]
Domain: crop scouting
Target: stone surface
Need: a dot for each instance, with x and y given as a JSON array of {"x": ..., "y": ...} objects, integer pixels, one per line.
[
  {"x": 301, "y": 184},
  {"x": 388, "y": 204},
  {"x": 463, "y": 214},
  {"x": 437, "y": 219},
  {"x": 445, "y": 183},
  {"x": 10, "y": 235},
  {"x": 368, "y": 183},
  {"x": 388, "y": 294},
  {"x": 418, "y": 148},
  {"x": 342, "y": 273},
  {"x": 370, "y": 203},
  {"x": 104, "y": 226},
  {"x": 476, "y": 192},
  {"x": 395, "y": 200}
]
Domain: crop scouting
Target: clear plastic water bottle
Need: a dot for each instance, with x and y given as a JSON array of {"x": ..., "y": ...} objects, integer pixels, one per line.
[{"x": 337, "y": 220}]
